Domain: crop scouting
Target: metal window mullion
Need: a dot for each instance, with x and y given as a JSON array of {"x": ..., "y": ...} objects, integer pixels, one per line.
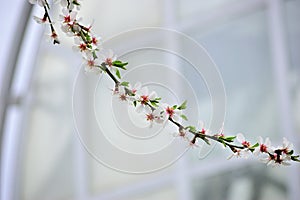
[
  {"x": 17, "y": 105},
  {"x": 10, "y": 62},
  {"x": 281, "y": 65},
  {"x": 181, "y": 178}
]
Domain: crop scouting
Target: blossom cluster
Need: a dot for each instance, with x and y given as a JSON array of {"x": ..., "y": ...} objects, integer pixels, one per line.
[
  {"x": 85, "y": 41},
  {"x": 148, "y": 102},
  {"x": 269, "y": 154}
]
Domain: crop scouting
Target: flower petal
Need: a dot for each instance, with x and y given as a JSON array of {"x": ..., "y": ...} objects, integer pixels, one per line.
[{"x": 240, "y": 137}]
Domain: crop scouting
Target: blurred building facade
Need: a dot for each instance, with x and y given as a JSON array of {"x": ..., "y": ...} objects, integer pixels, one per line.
[{"x": 255, "y": 44}]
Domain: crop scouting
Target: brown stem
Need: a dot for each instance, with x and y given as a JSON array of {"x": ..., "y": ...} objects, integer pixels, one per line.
[
  {"x": 180, "y": 126},
  {"x": 176, "y": 123},
  {"x": 55, "y": 41},
  {"x": 117, "y": 83}
]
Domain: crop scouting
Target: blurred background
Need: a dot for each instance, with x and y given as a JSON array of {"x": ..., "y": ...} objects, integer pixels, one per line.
[{"x": 256, "y": 46}]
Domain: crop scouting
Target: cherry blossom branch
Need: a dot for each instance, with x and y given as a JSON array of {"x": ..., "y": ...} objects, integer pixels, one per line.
[
  {"x": 155, "y": 111},
  {"x": 117, "y": 82}
]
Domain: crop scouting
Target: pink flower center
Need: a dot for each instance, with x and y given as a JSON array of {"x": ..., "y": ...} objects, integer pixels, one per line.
[
  {"x": 44, "y": 19},
  {"x": 170, "y": 111},
  {"x": 263, "y": 148},
  {"x": 133, "y": 91},
  {"x": 203, "y": 131},
  {"x": 108, "y": 61},
  {"x": 144, "y": 99},
  {"x": 67, "y": 19},
  {"x": 91, "y": 63},
  {"x": 285, "y": 150},
  {"x": 150, "y": 117},
  {"x": 54, "y": 35},
  {"x": 82, "y": 47},
  {"x": 123, "y": 97},
  {"x": 94, "y": 41},
  {"x": 246, "y": 144}
]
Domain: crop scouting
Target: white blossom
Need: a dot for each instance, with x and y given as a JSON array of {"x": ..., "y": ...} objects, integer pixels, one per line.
[
  {"x": 73, "y": 3},
  {"x": 54, "y": 37},
  {"x": 40, "y": 20},
  {"x": 263, "y": 147},
  {"x": 108, "y": 57},
  {"x": 203, "y": 130},
  {"x": 95, "y": 42},
  {"x": 287, "y": 146},
  {"x": 172, "y": 112},
  {"x": 276, "y": 160},
  {"x": 182, "y": 133},
  {"x": 79, "y": 45},
  {"x": 144, "y": 97},
  {"x": 240, "y": 138},
  {"x": 156, "y": 116},
  {"x": 68, "y": 17},
  {"x": 91, "y": 64},
  {"x": 240, "y": 153},
  {"x": 137, "y": 86},
  {"x": 121, "y": 93},
  {"x": 68, "y": 20}
]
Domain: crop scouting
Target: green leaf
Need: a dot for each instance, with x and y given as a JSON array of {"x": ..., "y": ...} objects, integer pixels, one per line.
[
  {"x": 290, "y": 152},
  {"x": 183, "y": 105},
  {"x": 129, "y": 92},
  {"x": 76, "y": 3},
  {"x": 191, "y": 128},
  {"x": 126, "y": 84},
  {"x": 205, "y": 140},
  {"x": 94, "y": 55},
  {"x": 174, "y": 107},
  {"x": 229, "y": 138},
  {"x": 88, "y": 38},
  {"x": 157, "y": 99},
  {"x": 118, "y": 74},
  {"x": 103, "y": 68},
  {"x": 153, "y": 103},
  {"x": 254, "y": 146},
  {"x": 295, "y": 158},
  {"x": 221, "y": 139},
  {"x": 184, "y": 117},
  {"x": 224, "y": 143},
  {"x": 119, "y": 64}
]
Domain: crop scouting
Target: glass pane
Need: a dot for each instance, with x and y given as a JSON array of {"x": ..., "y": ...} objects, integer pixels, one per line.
[
  {"x": 163, "y": 194},
  {"x": 47, "y": 155},
  {"x": 116, "y": 180},
  {"x": 188, "y": 8},
  {"x": 293, "y": 32},
  {"x": 117, "y": 16},
  {"x": 247, "y": 183},
  {"x": 241, "y": 51}
]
